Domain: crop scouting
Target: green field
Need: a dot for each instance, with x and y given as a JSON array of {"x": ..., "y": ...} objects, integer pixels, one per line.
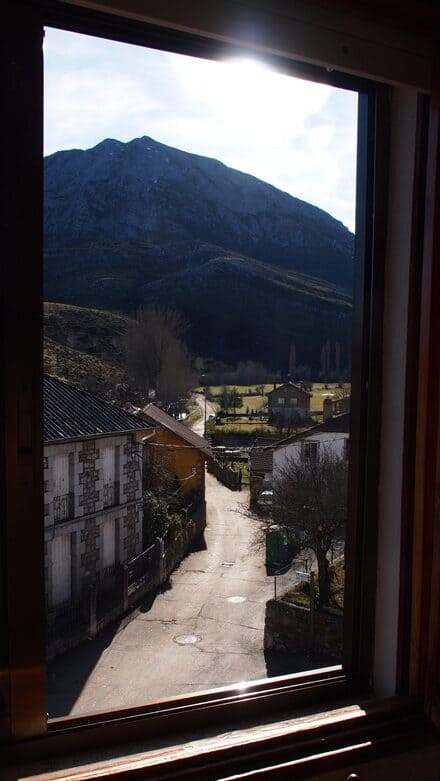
[{"x": 253, "y": 400}]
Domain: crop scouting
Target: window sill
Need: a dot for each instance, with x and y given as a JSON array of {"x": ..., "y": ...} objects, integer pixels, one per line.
[{"x": 315, "y": 740}]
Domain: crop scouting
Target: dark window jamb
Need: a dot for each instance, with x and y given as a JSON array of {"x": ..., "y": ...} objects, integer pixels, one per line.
[{"x": 24, "y": 286}]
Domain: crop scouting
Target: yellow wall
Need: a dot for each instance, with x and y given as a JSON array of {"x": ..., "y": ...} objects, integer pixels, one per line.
[{"x": 182, "y": 461}]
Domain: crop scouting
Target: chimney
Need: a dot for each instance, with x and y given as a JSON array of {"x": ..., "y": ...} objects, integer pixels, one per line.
[{"x": 327, "y": 409}]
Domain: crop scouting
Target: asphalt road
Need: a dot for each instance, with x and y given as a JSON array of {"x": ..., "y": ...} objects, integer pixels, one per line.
[{"x": 204, "y": 630}]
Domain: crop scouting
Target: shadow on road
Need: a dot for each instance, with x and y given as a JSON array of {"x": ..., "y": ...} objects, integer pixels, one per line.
[
  {"x": 278, "y": 663},
  {"x": 68, "y": 674},
  {"x": 198, "y": 544}
]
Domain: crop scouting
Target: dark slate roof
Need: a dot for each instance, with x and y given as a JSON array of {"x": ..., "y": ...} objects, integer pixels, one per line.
[
  {"x": 155, "y": 415},
  {"x": 290, "y": 386},
  {"x": 71, "y": 413},
  {"x": 265, "y": 441},
  {"x": 338, "y": 424}
]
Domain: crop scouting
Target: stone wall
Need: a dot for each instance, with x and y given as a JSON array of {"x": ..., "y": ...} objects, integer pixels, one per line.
[{"x": 288, "y": 628}]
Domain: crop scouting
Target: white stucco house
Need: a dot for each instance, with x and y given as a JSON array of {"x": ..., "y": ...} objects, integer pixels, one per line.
[
  {"x": 266, "y": 462},
  {"x": 334, "y": 435}
]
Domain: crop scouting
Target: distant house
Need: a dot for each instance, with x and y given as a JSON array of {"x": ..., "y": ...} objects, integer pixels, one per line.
[
  {"x": 332, "y": 407},
  {"x": 288, "y": 402},
  {"x": 92, "y": 489},
  {"x": 184, "y": 452},
  {"x": 266, "y": 462}
]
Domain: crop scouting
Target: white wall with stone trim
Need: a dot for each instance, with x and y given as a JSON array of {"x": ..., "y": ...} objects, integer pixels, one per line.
[{"x": 85, "y": 527}]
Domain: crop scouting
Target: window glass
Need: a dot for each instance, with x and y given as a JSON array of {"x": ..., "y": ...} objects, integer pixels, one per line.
[{"x": 199, "y": 238}]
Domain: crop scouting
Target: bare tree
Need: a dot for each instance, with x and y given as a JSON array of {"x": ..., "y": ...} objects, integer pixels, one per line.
[
  {"x": 310, "y": 499},
  {"x": 156, "y": 357}
]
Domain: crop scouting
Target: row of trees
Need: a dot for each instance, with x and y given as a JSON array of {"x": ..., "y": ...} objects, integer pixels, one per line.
[{"x": 158, "y": 360}]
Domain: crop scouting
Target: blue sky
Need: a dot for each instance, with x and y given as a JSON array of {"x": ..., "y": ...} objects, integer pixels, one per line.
[{"x": 297, "y": 135}]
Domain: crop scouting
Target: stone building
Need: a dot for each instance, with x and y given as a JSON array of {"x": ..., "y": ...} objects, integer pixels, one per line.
[
  {"x": 92, "y": 489},
  {"x": 288, "y": 403},
  {"x": 332, "y": 407}
]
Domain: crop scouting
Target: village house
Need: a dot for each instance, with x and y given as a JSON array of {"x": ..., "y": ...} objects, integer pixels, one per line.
[
  {"x": 92, "y": 489},
  {"x": 335, "y": 406},
  {"x": 288, "y": 403},
  {"x": 308, "y": 445},
  {"x": 183, "y": 452},
  {"x": 266, "y": 461}
]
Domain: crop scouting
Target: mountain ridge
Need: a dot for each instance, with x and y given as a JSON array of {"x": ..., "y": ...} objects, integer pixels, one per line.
[{"x": 126, "y": 223}]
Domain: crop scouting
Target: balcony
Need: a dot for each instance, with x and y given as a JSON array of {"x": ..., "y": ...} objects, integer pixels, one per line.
[
  {"x": 111, "y": 494},
  {"x": 63, "y": 507}
]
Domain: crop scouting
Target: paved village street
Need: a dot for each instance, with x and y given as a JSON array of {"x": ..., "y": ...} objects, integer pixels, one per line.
[
  {"x": 145, "y": 661},
  {"x": 217, "y": 597},
  {"x": 217, "y": 593}
]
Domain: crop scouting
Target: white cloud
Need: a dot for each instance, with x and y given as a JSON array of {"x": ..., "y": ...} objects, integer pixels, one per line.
[{"x": 297, "y": 135}]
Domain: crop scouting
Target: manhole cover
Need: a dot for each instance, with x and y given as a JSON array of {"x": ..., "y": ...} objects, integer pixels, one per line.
[
  {"x": 228, "y": 563},
  {"x": 236, "y": 599},
  {"x": 187, "y": 639}
]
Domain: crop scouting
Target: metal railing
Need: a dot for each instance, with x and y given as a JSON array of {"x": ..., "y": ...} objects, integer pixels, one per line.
[
  {"x": 140, "y": 568},
  {"x": 297, "y": 571},
  {"x": 63, "y": 507},
  {"x": 110, "y": 494}
]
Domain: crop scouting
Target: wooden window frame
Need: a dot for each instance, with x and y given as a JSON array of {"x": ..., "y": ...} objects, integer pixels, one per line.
[{"x": 22, "y": 456}]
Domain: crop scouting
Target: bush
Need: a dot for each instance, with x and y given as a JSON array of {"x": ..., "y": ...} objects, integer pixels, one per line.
[{"x": 158, "y": 521}]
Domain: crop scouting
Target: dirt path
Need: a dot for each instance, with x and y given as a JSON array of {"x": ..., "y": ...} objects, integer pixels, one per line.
[{"x": 211, "y": 409}]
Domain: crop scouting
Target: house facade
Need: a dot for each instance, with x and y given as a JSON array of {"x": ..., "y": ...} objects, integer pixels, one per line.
[
  {"x": 92, "y": 489},
  {"x": 288, "y": 403},
  {"x": 266, "y": 462},
  {"x": 332, "y": 436},
  {"x": 183, "y": 452}
]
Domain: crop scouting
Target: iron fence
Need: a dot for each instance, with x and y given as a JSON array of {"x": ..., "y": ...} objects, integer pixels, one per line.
[
  {"x": 63, "y": 507},
  {"x": 66, "y": 619},
  {"x": 140, "y": 569}
]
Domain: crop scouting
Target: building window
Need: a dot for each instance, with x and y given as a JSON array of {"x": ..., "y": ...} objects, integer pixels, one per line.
[
  {"x": 309, "y": 451},
  {"x": 63, "y": 494},
  {"x": 110, "y": 484}
]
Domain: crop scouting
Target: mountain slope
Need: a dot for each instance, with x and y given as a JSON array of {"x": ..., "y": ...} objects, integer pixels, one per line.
[
  {"x": 144, "y": 191},
  {"x": 244, "y": 308},
  {"x": 130, "y": 223}
]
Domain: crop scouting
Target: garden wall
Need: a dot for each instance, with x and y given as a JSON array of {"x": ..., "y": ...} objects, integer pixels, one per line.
[{"x": 290, "y": 628}]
